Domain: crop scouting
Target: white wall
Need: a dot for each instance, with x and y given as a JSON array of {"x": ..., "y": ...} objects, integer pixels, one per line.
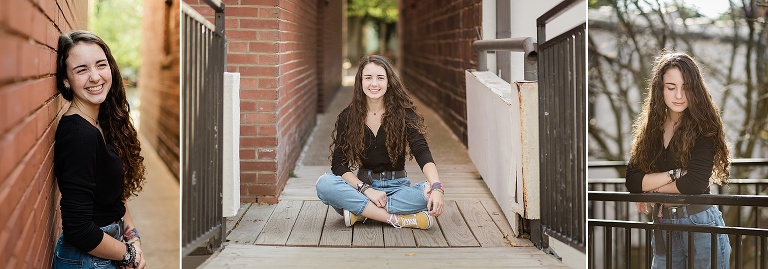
[
  {"x": 502, "y": 121},
  {"x": 524, "y": 15}
]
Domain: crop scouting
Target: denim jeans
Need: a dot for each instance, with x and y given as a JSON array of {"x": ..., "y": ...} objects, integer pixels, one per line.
[
  {"x": 402, "y": 198},
  {"x": 67, "y": 256},
  {"x": 701, "y": 241}
]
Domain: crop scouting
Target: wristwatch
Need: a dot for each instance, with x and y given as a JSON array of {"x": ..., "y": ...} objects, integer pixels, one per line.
[
  {"x": 672, "y": 175},
  {"x": 360, "y": 186},
  {"x": 129, "y": 258}
]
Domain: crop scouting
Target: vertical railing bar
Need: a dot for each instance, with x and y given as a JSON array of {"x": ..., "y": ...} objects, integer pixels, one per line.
[
  {"x": 713, "y": 249},
  {"x": 738, "y": 250},
  {"x": 764, "y": 252},
  {"x": 608, "y": 249},
  {"x": 691, "y": 253},
  {"x": 628, "y": 247},
  {"x": 648, "y": 247},
  {"x": 668, "y": 247}
]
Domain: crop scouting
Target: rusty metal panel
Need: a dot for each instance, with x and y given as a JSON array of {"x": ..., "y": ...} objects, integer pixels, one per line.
[
  {"x": 203, "y": 59},
  {"x": 562, "y": 126}
]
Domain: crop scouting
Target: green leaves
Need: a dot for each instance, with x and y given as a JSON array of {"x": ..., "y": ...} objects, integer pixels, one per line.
[
  {"x": 118, "y": 22},
  {"x": 377, "y": 10}
]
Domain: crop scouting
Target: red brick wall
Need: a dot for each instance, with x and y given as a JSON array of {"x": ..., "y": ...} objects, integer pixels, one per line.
[
  {"x": 330, "y": 17},
  {"x": 273, "y": 44},
  {"x": 159, "y": 80},
  {"x": 30, "y": 105},
  {"x": 436, "y": 38}
]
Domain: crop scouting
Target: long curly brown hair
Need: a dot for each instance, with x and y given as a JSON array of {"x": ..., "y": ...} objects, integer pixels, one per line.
[
  {"x": 395, "y": 120},
  {"x": 114, "y": 112},
  {"x": 701, "y": 118}
]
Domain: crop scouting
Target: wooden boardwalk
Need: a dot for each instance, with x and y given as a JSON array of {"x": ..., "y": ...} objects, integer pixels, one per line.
[
  {"x": 471, "y": 218},
  {"x": 300, "y": 232}
]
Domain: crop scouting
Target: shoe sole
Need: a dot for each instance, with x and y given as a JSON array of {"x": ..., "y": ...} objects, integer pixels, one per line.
[{"x": 346, "y": 219}]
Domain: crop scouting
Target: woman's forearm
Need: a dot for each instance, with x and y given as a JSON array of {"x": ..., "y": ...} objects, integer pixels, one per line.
[
  {"x": 655, "y": 180},
  {"x": 109, "y": 248},
  {"x": 430, "y": 171}
]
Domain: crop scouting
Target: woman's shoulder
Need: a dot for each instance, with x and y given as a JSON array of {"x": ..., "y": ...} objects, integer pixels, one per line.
[{"x": 74, "y": 126}]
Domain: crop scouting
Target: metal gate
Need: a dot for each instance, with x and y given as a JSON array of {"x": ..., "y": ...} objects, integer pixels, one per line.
[
  {"x": 562, "y": 132},
  {"x": 203, "y": 52}
]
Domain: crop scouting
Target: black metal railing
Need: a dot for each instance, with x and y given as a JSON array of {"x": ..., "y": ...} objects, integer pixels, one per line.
[
  {"x": 562, "y": 129},
  {"x": 203, "y": 64},
  {"x": 619, "y": 235},
  {"x": 618, "y": 250}
]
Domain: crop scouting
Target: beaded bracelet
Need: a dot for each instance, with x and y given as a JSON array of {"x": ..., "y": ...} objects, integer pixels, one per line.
[
  {"x": 131, "y": 256},
  {"x": 364, "y": 188},
  {"x": 131, "y": 236},
  {"x": 437, "y": 186}
]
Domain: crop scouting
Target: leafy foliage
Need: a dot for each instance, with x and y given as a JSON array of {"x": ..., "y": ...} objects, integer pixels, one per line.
[
  {"x": 377, "y": 10},
  {"x": 118, "y": 22}
]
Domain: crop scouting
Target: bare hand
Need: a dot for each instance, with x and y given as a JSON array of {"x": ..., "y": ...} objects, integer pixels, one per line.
[
  {"x": 435, "y": 204},
  {"x": 642, "y": 207},
  {"x": 377, "y": 197}
]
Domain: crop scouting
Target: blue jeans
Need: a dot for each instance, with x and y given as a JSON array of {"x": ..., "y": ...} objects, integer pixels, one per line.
[
  {"x": 701, "y": 241},
  {"x": 67, "y": 256},
  {"x": 402, "y": 198}
]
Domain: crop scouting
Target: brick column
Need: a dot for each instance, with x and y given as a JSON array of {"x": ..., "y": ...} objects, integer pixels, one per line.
[{"x": 272, "y": 44}]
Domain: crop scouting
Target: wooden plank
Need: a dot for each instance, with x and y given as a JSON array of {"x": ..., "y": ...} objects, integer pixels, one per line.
[
  {"x": 394, "y": 237},
  {"x": 481, "y": 224},
  {"x": 233, "y": 221},
  {"x": 368, "y": 234},
  {"x": 432, "y": 238},
  {"x": 456, "y": 231},
  {"x": 251, "y": 224},
  {"x": 247, "y": 256},
  {"x": 500, "y": 219},
  {"x": 280, "y": 224},
  {"x": 309, "y": 224},
  {"x": 335, "y": 233}
]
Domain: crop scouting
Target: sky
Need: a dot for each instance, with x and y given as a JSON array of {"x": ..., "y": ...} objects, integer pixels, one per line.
[{"x": 709, "y": 8}]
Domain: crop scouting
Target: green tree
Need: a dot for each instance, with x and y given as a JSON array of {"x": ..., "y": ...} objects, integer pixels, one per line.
[
  {"x": 118, "y": 22},
  {"x": 381, "y": 13}
]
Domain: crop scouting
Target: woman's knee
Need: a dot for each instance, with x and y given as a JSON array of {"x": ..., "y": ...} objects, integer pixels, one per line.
[{"x": 325, "y": 184}]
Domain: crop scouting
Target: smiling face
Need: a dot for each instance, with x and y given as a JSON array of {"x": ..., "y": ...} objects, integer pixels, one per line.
[
  {"x": 674, "y": 94},
  {"x": 88, "y": 73},
  {"x": 374, "y": 81}
]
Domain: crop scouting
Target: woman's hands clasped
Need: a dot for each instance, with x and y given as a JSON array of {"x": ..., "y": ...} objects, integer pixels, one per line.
[{"x": 377, "y": 197}]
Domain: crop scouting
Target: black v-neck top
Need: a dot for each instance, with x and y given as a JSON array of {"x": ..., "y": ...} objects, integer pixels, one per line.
[
  {"x": 90, "y": 177},
  {"x": 699, "y": 170},
  {"x": 376, "y": 158}
]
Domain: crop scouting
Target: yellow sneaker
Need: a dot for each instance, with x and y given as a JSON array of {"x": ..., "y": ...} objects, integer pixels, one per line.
[
  {"x": 350, "y": 218},
  {"x": 421, "y": 220}
]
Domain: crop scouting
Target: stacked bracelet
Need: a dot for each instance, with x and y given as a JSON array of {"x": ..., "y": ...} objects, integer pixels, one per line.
[
  {"x": 437, "y": 186},
  {"x": 364, "y": 188},
  {"x": 672, "y": 175},
  {"x": 129, "y": 259},
  {"x": 131, "y": 236}
]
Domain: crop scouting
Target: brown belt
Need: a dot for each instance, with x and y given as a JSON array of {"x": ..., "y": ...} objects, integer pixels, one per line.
[{"x": 368, "y": 176}]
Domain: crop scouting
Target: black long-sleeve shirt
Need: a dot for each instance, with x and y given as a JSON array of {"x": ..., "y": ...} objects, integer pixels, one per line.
[
  {"x": 90, "y": 177},
  {"x": 376, "y": 158},
  {"x": 699, "y": 170}
]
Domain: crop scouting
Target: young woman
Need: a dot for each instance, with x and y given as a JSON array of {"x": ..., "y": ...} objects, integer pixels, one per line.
[
  {"x": 680, "y": 147},
  {"x": 372, "y": 134},
  {"x": 96, "y": 159}
]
